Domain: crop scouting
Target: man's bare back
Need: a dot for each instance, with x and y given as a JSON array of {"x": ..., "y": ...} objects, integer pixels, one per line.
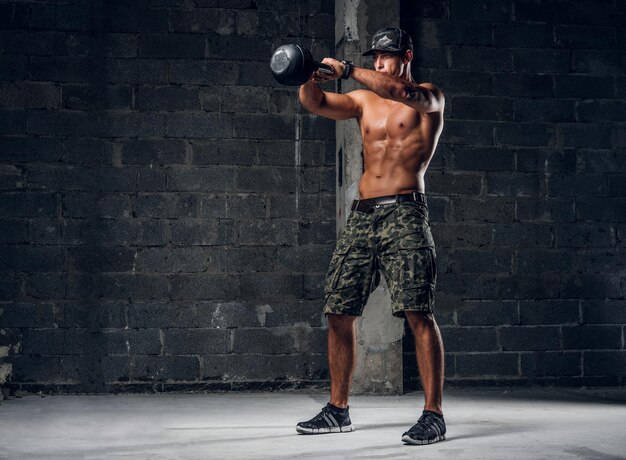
[{"x": 400, "y": 121}]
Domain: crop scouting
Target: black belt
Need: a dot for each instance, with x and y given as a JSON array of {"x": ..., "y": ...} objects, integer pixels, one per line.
[{"x": 368, "y": 204}]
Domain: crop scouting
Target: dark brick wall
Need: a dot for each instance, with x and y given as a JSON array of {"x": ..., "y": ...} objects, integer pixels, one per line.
[
  {"x": 166, "y": 209},
  {"x": 527, "y": 195}
]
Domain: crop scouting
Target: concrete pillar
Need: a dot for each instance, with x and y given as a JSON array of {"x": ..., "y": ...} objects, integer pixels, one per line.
[{"x": 379, "y": 339}]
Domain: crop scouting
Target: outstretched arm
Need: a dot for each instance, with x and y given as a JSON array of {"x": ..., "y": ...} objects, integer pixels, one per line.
[
  {"x": 327, "y": 104},
  {"x": 424, "y": 97}
]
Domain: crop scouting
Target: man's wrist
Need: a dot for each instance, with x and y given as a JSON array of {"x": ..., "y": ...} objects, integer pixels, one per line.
[{"x": 347, "y": 69}]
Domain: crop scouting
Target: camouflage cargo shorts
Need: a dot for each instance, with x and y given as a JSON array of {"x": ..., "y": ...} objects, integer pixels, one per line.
[{"x": 392, "y": 239}]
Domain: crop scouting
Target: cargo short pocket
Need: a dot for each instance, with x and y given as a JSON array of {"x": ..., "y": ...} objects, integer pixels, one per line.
[
  {"x": 335, "y": 268},
  {"x": 417, "y": 264}
]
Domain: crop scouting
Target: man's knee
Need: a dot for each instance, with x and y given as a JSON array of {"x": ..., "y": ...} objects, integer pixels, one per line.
[
  {"x": 420, "y": 321},
  {"x": 340, "y": 322}
]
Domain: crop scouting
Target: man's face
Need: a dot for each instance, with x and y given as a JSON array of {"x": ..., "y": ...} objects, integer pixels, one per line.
[{"x": 389, "y": 63}]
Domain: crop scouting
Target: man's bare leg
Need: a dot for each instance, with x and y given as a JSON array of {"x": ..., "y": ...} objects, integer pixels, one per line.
[
  {"x": 341, "y": 357},
  {"x": 429, "y": 352}
]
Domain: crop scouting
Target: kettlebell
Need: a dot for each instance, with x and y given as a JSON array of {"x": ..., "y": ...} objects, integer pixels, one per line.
[{"x": 293, "y": 65}]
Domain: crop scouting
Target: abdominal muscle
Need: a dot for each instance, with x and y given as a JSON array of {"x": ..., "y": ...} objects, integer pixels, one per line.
[{"x": 392, "y": 166}]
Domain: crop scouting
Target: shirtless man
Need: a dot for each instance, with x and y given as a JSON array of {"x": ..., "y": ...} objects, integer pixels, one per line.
[{"x": 388, "y": 229}]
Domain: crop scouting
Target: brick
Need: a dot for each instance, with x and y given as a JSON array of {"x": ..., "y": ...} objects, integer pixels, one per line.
[
  {"x": 583, "y": 235},
  {"x": 83, "y": 97},
  {"x": 469, "y": 339},
  {"x": 544, "y": 286},
  {"x": 12, "y": 121},
  {"x": 487, "y": 313},
  {"x": 114, "y": 232},
  {"x": 468, "y": 286},
  {"x": 515, "y": 184},
  {"x": 54, "y": 341},
  {"x": 246, "y": 99},
  {"x": 598, "y": 62},
  {"x": 481, "y": 108},
  {"x": 164, "y": 368},
  {"x": 544, "y": 110},
  {"x": 32, "y": 259},
  {"x": 483, "y": 159},
  {"x": 545, "y": 261},
  {"x": 276, "y": 340},
  {"x": 601, "y": 209},
  {"x": 474, "y": 133},
  {"x": 592, "y": 337},
  {"x": 201, "y": 178},
  {"x": 44, "y": 286},
  {"x": 28, "y": 149},
  {"x": 541, "y": 61},
  {"x": 30, "y": 95},
  {"x": 546, "y": 210},
  {"x": 461, "y": 235},
  {"x": 455, "y": 183},
  {"x": 168, "y": 98},
  {"x": 482, "y": 10},
  {"x": 44, "y": 231},
  {"x": 598, "y": 161},
  {"x": 487, "y": 364},
  {"x": 85, "y": 151},
  {"x": 239, "y": 47},
  {"x": 167, "y": 205},
  {"x": 154, "y": 151},
  {"x": 458, "y": 81},
  {"x": 13, "y": 67},
  {"x": 604, "y": 311},
  {"x": 604, "y": 362},
  {"x": 487, "y": 58},
  {"x": 263, "y": 127},
  {"x": 203, "y": 72},
  {"x": 247, "y": 206},
  {"x": 212, "y": 206},
  {"x": 117, "y": 286},
  {"x": 28, "y": 204},
  {"x": 524, "y": 134},
  {"x": 271, "y": 286},
  {"x": 192, "y": 286},
  {"x": 236, "y": 152},
  {"x": 27, "y": 314},
  {"x": 271, "y": 180},
  {"x": 520, "y": 35},
  {"x": 102, "y": 259},
  {"x": 13, "y": 231},
  {"x": 251, "y": 259},
  {"x": 599, "y": 261},
  {"x": 273, "y": 232},
  {"x": 202, "y": 233},
  {"x": 61, "y": 69},
  {"x": 136, "y": 71},
  {"x": 303, "y": 259},
  {"x": 583, "y": 86},
  {"x": 596, "y": 111},
  {"x": 489, "y": 209},
  {"x": 94, "y": 315},
  {"x": 543, "y": 364},
  {"x": 198, "y": 125},
  {"x": 533, "y": 11},
  {"x": 564, "y": 185},
  {"x": 121, "y": 45},
  {"x": 545, "y": 160},
  {"x": 10, "y": 287},
  {"x": 590, "y": 286},
  {"x": 197, "y": 341},
  {"x": 171, "y": 314},
  {"x": 96, "y": 205},
  {"x": 171, "y": 260},
  {"x": 524, "y": 338},
  {"x": 479, "y": 261},
  {"x": 538, "y": 312},
  {"x": 196, "y": 21},
  {"x": 254, "y": 74}
]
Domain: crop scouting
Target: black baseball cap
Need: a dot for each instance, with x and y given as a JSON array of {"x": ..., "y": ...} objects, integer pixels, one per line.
[{"x": 390, "y": 40}]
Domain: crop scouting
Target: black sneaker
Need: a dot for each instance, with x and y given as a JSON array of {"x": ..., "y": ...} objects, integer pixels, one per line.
[
  {"x": 329, "y": 420},
  {"x": 430, "y": 428}
]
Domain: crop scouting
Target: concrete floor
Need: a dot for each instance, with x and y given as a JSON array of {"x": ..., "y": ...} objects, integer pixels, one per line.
[{"x": 486, "y": 424}]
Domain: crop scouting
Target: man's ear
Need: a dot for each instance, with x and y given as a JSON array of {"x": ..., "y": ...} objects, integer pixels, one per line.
[{"x": 408, "y": 56}]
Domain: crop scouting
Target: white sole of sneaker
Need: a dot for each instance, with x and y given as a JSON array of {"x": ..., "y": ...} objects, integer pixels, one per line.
[
  {"x": 334, "y": 429},
  {"x": 420, "y": 442}
]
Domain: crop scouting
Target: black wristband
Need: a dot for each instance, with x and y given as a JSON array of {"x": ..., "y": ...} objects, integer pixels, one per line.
[{"x": 347, "y": 69}]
